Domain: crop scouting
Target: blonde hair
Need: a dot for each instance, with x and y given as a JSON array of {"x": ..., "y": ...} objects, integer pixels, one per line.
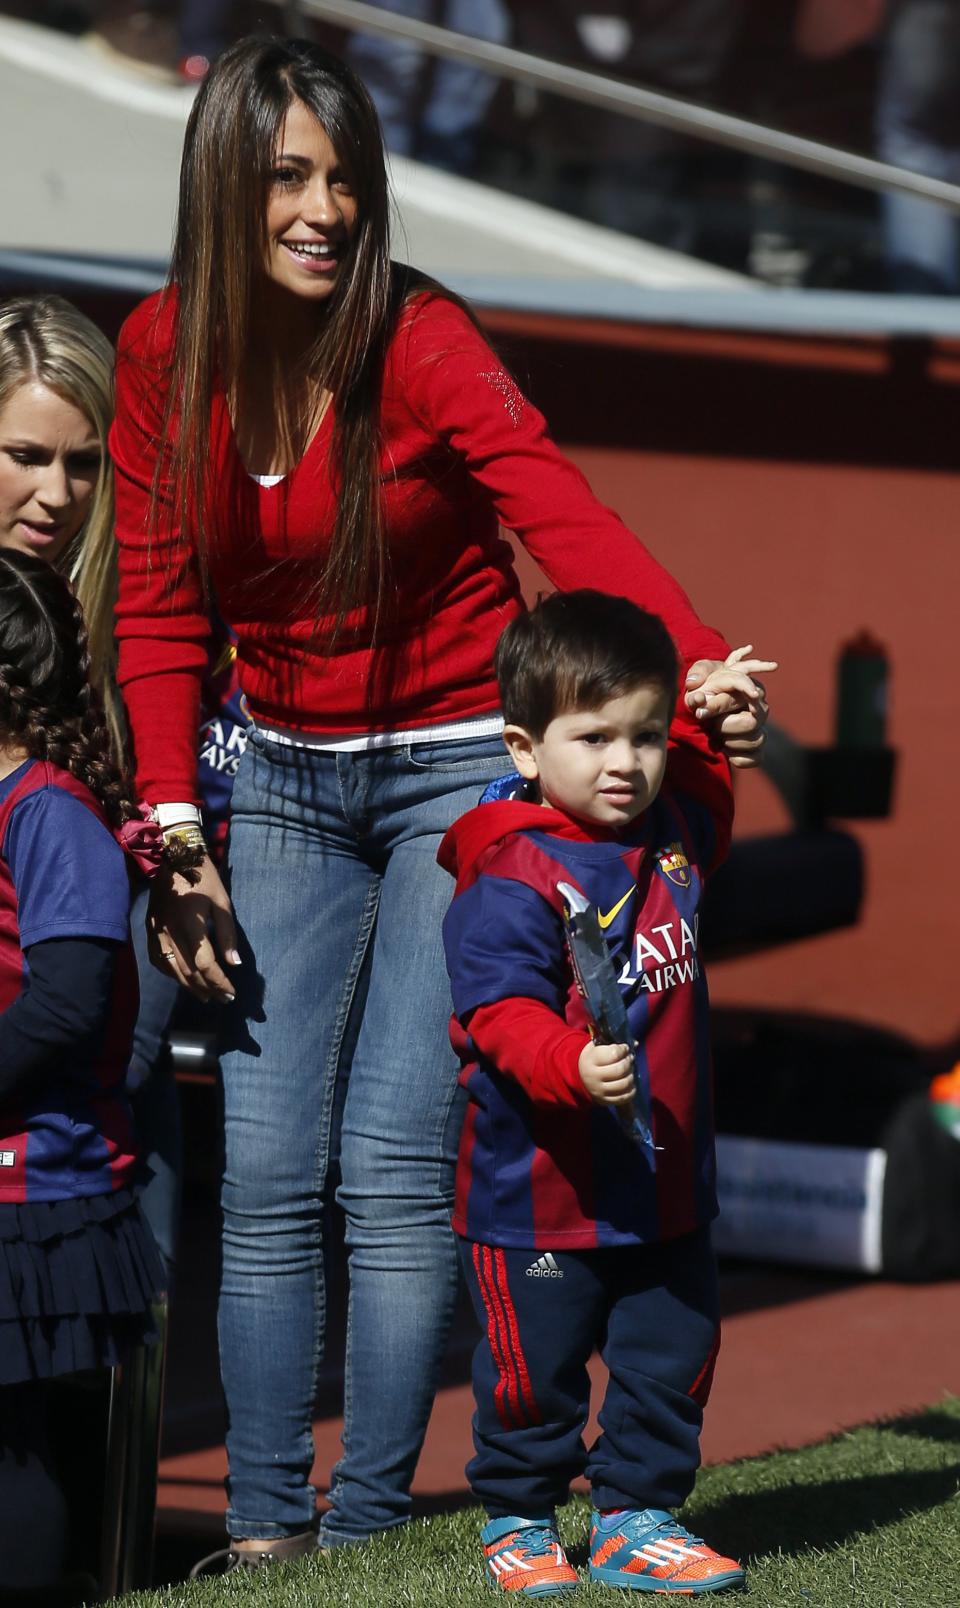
[{"x": 47, "y": 341}]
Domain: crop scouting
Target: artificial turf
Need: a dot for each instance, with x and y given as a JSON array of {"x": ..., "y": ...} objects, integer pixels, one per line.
[{"x": 868, "y": 1519}]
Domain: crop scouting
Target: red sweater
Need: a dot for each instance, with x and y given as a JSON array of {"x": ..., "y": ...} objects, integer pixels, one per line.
[{"x": 463, "y": 453}]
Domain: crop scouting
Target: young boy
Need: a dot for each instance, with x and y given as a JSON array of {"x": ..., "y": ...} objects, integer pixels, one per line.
[{"x": 574, "y": 1236}]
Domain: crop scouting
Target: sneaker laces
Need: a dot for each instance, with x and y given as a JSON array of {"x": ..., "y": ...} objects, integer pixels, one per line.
[
  {"x": 670, "y": 1529},
  {"x": 679, "y": 1532},
  {"x": 536, "y": 1539}
]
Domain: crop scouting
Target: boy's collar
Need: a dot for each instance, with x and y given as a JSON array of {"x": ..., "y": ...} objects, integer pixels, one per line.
[
  {"x": 513, "y": 789},
  {"x": 559, "y": 824}
]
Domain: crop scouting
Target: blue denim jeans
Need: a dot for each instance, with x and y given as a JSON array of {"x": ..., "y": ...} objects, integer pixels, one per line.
[{"x": 342, "y": 1004}]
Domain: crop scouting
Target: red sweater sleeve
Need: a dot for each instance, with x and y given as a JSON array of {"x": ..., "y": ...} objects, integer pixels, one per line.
[
  {"x": 695, "y": 767},
  {"x": 528, "y": 1041},
  {"x": 162, "y": 624},
  {"x": 462, "y": 394}
]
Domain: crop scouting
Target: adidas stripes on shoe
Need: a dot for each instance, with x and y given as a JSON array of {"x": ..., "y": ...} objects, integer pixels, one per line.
[
  {"x": 647, "y": 1550},
  {"x": 525, "y": 1555}
]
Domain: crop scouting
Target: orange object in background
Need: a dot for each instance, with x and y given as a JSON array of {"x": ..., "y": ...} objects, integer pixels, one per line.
[{"x": 945, "y": 1100}]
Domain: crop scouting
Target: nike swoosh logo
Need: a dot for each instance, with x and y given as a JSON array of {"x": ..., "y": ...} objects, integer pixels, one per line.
[{"x": 605, "y": 920}]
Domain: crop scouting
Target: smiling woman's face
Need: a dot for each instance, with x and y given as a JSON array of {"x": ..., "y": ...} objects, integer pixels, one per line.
[
  {"x": 311, "y": 209},
  {"x": 49, "y": 467}
]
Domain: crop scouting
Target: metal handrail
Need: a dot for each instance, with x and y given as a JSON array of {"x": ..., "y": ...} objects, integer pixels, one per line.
[{"x": 646, "y": 105}]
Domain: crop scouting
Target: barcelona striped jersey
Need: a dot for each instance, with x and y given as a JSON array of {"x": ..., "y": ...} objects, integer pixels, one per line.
[
  {"x": 540, "y": 1164},
  {"x": 64, "y": 875}
]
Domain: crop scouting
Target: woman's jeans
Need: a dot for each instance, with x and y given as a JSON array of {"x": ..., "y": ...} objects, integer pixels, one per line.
[{"x": 333, "y": 873}]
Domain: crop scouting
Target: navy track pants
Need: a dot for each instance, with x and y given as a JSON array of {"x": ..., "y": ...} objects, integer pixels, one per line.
[{"x": 652, "y": 1311}]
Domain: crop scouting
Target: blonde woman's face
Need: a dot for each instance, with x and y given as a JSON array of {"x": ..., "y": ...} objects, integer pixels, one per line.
[
  {"x": 49, "y": 467},
  {"x": 311, "y": 209}
]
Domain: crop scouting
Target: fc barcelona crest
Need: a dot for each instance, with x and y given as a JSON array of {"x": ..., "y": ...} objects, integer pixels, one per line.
[{"x": 674, "y": 864}]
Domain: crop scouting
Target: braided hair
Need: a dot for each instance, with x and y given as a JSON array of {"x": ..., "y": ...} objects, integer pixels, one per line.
[
  {"x": 47, "y": 704},
  {"x": 48, "y": 707}
]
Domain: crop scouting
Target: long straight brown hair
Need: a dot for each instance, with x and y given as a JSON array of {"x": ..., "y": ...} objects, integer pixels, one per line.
[{"x": 218, "y": 251}]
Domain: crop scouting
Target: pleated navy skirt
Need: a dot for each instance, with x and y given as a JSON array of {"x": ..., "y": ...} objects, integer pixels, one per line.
[{"x": 77, "y": 1278}]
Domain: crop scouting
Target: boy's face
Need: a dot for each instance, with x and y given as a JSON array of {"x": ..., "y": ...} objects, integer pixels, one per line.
[{"x": 601, "y": 765}]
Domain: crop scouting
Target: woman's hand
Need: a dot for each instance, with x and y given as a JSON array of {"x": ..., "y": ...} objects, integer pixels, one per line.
[
  {"x": 179, "y": 919},
  {"x": 726, "y": 694}
]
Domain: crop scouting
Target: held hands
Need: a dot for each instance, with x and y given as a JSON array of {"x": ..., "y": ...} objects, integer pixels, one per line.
[
  {"x": 606, "y": 1071},
  {"x": 179, "y": 920},
  {"x": 728, "y": 696}
]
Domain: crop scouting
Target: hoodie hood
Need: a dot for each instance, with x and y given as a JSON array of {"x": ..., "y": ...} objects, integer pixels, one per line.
[{"x": 470, "y": 841}]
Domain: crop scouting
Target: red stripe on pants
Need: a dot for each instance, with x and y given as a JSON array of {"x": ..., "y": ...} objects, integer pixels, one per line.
[
  {"x": 533, "y": 1414},
  {"x": 502, "y": 1391}
]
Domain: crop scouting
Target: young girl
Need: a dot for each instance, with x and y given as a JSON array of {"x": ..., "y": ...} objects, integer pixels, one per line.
[
  {"x": 56, "y": 500},
  {"x": 78, "y": 1268}
]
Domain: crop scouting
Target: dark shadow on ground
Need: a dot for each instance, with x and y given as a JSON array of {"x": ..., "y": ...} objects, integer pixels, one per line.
[
  {"x": 932, "y": 1425},
  {"x": 823, "y": 1515},
  {"x": 792, "y": 1520}
]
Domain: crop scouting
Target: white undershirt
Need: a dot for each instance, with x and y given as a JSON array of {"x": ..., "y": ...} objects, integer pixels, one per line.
[{"x": 448, "y": 731}]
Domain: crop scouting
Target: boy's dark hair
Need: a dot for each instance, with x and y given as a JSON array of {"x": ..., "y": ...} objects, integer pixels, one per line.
[{"x": 576, "y": 650}]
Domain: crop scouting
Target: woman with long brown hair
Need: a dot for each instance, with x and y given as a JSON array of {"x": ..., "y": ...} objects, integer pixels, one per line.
[{"x": 323, "y": 443}]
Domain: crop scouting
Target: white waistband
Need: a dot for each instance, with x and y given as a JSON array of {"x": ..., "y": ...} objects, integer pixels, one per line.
[{"x": 447, "y": 732}]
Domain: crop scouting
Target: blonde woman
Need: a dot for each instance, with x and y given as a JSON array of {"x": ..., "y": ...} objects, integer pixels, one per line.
[
  {"x": 56, "y": 480},
  {"x": 56, "y": 502}
]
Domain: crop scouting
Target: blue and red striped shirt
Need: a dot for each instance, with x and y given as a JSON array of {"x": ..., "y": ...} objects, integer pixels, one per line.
[
  {"x": 541, "y": 1165},
  {"x": 64, "y": 875}
]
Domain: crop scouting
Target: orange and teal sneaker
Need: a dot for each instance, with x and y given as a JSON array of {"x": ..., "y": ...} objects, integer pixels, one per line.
[
  {"x": 525, "y": 1555},
  {"x": 647, "y": 1550}
]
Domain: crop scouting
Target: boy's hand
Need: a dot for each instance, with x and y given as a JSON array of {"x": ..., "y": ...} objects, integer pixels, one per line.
[
  {"x": 728, "y": 694},
  {"x": 606, "y": 1071}
]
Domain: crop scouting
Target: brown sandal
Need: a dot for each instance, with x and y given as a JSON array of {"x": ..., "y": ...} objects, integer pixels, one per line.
[{"x": 244, "y": 1554}]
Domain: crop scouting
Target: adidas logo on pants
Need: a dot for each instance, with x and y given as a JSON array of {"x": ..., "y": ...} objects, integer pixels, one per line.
[
  {"x": 545, "y": 1267},
  {"x": 654, "y": 1310}
]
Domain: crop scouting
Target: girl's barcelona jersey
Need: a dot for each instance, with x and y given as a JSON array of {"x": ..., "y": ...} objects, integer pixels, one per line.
[
  {"x": 541, "y": 1165},
  {"x": 63, "y": 875}
]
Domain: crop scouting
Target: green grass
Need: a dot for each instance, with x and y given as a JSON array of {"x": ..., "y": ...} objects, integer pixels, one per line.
[{"x": 868, "y": 1518}]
